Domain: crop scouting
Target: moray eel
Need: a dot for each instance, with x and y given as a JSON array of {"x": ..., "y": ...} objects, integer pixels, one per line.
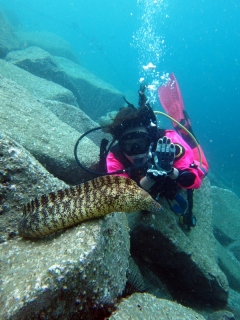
[{"x": 93, "y": 199}]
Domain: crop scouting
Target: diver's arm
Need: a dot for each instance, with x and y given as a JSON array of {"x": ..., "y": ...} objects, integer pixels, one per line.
[
  {"x": 146, "y": 183},
  {"x": 186, "y": 179}
]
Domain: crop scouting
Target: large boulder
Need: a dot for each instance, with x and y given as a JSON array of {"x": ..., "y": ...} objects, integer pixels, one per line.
[
  {"x": 8, "y": 40},
  {"x": 221, "y": 315},
  {"x": 76, "y": 273},
  {"x": 79, "y": 272},
  {"x": 226, "y": 218},
  {"x": 235, "y": 250},
  {"x": 21, "y": 178},
  {"x": 185, "y": 260},
  {"x": 49, "y": 42},
  {"x": 234, "y": 303},
  {"x": 147, "y": 307},
  {"x": 226, "y": 224},
  {"x": 50, "y": 140},
  {"x": 71, "y": 115},
  {"x": 230, "y": 266},
  {"x": 94, "y": 96},
  {"x": 38, "y": 87},
  {"x": 62, "y": 101}
]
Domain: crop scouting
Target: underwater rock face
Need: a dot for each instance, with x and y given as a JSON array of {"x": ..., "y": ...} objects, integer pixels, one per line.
[
  {"x": 226, "y": 226},
  {"x": 221, "y": 315},
  {"x": 49, "y": 42},
  {"x": 21, "y": 178},
  {"x": 93, "y": 95},
  {"x": 230, "y": 266},
  {"x": 37, "y": 129},
  {"x": 185, "y": 261},
  {"x": 146, "y": 306},
  {"x": 8, "y": 40},
  {"x": 74, "y": 272},
  {"x": 72, "y": 116},
  {"x": 235, "y": 249},
  {"x": 226, "y": 206},
  {"x": 38, "y": 87}
]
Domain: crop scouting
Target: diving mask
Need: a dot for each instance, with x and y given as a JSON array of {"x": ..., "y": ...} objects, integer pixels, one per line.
[{"x": 135, "y": 143}]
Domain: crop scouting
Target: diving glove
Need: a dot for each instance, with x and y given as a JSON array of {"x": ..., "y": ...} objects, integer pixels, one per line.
[
  {"x": 155, "y": 175},
  {"x": 164, "y": 155}
]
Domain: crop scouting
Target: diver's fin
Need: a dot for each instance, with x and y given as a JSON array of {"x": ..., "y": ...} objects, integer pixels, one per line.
[{"x": 171, "y": 100}]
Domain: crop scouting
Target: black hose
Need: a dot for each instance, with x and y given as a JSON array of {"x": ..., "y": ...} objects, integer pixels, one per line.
[{"x": 84, "y": 167}]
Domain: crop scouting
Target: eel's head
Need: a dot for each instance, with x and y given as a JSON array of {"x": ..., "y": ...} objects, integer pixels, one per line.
[{"x": 146, "y": 202}]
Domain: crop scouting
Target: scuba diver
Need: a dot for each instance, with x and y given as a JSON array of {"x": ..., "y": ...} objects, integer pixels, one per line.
[{"x": 161, "y": 161}]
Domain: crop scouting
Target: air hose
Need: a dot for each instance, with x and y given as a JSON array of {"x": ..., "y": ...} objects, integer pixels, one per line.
[{"x": 186, "y": 130}]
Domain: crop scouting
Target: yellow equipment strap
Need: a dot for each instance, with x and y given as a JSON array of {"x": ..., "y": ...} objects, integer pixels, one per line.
[{"x": 186, "y": 130}]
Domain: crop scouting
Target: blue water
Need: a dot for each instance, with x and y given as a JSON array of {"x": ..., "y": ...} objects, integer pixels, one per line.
[{"x": 198, "y": 40}]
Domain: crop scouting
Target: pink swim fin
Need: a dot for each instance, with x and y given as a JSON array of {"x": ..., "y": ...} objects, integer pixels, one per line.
[{"x": 172, "y": 102}]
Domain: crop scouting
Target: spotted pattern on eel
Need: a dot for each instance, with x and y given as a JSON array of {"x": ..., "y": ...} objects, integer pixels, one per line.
[{"x": 93, "y": 199}]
